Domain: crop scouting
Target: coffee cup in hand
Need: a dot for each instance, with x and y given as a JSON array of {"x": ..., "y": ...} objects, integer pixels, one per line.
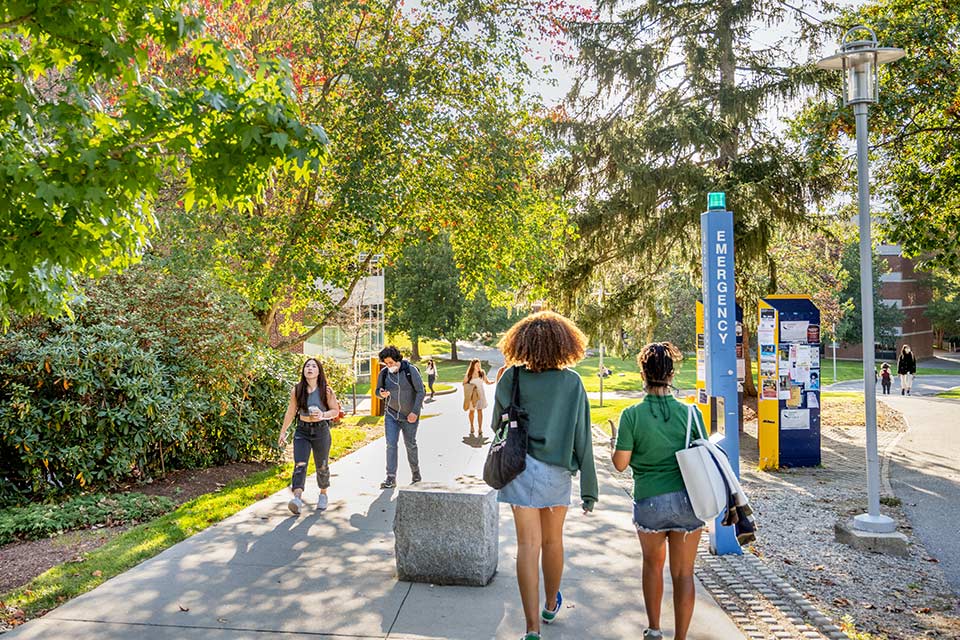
[{"x": 314, "y": 411}]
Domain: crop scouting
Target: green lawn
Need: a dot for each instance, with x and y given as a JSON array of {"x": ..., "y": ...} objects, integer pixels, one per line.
[
  {"x": 952, "y": 393},
  {"x": 610, "y": 411},
  {"x": 625, "y": 374},
  {"x": 427, "y": 347}
]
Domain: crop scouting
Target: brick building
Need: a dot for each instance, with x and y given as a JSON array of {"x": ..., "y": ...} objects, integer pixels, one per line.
[{"x": 903, "y": 288}]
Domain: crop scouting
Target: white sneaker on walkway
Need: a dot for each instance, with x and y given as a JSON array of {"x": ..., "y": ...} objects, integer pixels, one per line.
[
  {"x": 652, "y": 634},
  {"x": 322, "y": 502},
  {"x": 295, "y": 505}
]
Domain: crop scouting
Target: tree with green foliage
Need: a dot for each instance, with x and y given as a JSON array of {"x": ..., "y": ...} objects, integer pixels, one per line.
[
  {"x": 914, "y": 129},
  {"x": 886, "y": 318},
  {"x": 423, "y": 296},
  {"x": 673, "y": 101},
  {"x": 89, "y": 136},
  {"x": 944, "y": 307},
  {"x": 429, "y": 129}
]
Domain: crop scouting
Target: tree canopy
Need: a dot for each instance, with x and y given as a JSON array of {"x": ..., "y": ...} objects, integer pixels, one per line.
[
  {"x": 89, "y": 137},
  {"x": 673, "y": 101},
  {"x": 430, "y": 130},
  {"x": 914, "y": 129}
]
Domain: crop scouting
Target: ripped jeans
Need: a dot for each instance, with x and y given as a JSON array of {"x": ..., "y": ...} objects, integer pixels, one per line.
[{"x": 311, "y": 436}]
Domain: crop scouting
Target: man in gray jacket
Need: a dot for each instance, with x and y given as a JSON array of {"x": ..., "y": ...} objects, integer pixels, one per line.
[{"x": 401, "y": 387}]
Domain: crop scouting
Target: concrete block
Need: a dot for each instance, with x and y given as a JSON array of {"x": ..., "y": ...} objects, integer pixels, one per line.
[
  {"x": 889, "y": 543},
  {"x": 447, "y": 533}
]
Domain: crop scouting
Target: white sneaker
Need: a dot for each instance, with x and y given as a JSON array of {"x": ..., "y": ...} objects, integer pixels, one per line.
[
  {"x": 322, "y": 502},
  {"x": 652, "y": 634},
  {"x": 295, "y": 505}
]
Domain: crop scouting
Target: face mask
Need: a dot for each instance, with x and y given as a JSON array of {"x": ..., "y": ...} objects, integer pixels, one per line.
[{"x": 394, "y": 368}]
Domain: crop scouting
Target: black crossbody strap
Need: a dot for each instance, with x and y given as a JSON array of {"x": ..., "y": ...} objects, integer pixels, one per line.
[{"x": 515, "y": 393}]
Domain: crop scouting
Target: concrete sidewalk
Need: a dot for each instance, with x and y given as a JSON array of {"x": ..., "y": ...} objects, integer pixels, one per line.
[{"x": 265, "y": 574}]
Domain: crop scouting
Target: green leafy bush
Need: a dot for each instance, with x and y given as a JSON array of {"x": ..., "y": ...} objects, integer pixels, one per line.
[
  {"x": 35, "y": 521},
  {"x": 158, "y": 371}
]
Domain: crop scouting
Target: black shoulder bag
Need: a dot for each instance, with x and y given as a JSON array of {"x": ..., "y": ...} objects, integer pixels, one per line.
[{"x": 507, "y": 457}]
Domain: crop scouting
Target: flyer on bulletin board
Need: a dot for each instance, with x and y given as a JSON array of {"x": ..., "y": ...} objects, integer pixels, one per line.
[
  {"x": 784, "y": 387},
  {"x": 768, "y": 387},
  {"x": 792, "y": 419},
  {"x": 793, "y": 330}
]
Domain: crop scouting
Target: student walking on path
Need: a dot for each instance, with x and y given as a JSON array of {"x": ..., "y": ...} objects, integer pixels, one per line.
[
  {"x": 886, "y": 379},
  {"x": 314, "y": 404},
  {"x": 474, "y": 395},
  {"x": 560, "y": 444},
  {"x": 431, "y": 375},
  {"x": 401, "y": 386},
  {"x": 907, "y": 368},
  {"x": 649, "y": 436}
]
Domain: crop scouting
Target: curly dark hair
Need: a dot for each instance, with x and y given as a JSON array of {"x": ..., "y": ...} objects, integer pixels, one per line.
[
  {"x": 657, "y": 360},
  {"x": 544, "y": 340},
  {"x": 390, "y": 351}
]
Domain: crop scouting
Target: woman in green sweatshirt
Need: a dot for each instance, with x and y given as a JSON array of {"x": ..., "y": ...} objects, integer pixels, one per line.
[{"x": 543, "y": 346}]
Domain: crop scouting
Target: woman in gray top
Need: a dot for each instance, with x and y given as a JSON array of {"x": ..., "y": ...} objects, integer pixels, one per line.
[{"x": 314, "y": 404}]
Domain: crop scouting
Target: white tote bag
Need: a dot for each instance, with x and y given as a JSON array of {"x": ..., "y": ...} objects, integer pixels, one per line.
[{"x": 701, "y": 476}]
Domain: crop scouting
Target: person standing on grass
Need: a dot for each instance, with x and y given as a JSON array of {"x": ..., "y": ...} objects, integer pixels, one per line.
[
  {"x": 314, "y": 404},
  {"x": 649, "y": 436},
  {"x": 907, "y": 368},
  {"x": 431, "y": 375},
  {"x": 474, "y": 396},
  {"x": 401, "y": 386},
  {"x": 543, "y": 346}
]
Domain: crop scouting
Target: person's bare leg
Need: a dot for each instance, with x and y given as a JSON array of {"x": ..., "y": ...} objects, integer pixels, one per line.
[
  {"x": 683, "y": 553},
  {"x": 470, "y": 414},
  {"x": 654, "y": 546},
  {"x": 480, "y": 422},
  {"x": 551, "y": 533},
  {"x": 527, "y": 521}
]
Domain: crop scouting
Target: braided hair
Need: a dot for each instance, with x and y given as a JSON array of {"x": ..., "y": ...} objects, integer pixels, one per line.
[{"x": 656, "y": 360}]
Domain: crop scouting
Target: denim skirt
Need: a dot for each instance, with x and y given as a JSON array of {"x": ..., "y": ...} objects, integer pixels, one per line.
[
  {"x": 539, "y": 486},
  {"x": 666, "y": 512}
]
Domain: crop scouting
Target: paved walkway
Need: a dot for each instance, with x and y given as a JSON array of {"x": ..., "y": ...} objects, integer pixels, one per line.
[
  {"x": 263, "y": 574},
  {"x": 923, "y": 385},
  {"x": 925, "y": 474}
]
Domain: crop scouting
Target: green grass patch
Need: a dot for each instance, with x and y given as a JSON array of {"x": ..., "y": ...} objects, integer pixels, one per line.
[
  {"x": 427, "y": 347},
  {"x": 144, "y": 541},
  {"x": 842, "y": 394},
  {"x": 610, "y": 410},
  {"x": 952, "y": 393},
  {"x": 853, "y": 369},
  {"x": 625, "y": 374}
]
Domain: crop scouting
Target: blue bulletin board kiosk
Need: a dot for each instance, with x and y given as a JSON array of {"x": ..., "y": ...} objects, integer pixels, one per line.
[{"x": 788, "y": 338}]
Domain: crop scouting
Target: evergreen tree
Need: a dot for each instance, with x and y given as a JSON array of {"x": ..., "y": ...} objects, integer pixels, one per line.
[
  {"x": 885, "y": 317},
  {"x": 674, "y": 101}
]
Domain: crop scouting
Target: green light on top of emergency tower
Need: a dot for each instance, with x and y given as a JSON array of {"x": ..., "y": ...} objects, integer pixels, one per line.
[{"x": 717, "y": 200}]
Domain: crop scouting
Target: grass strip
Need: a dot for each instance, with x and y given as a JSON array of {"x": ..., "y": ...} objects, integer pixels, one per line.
[
  {"x": 952, "y": 393},
  {"x": 130, "y": 548}
]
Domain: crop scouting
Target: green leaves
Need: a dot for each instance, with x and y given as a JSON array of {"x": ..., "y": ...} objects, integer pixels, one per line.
[{"x": 90, "y": 138}]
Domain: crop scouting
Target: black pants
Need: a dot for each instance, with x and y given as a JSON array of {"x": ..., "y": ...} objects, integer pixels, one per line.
[
  {"x": 311, "y": 436},
  {"x": 886, "y": 386},
  {"x": 430, "y": 380}
]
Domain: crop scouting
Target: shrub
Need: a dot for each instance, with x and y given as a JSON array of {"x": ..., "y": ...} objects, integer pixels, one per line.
[
  {"x": 158, "y": 371},
  {"x": 36, "y": 521}
]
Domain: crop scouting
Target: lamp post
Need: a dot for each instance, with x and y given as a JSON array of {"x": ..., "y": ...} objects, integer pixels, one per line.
[{"x": 859, "y": 59}]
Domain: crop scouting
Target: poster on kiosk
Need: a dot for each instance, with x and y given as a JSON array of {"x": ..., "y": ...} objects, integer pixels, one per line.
[{"x": 788, "y": 380}]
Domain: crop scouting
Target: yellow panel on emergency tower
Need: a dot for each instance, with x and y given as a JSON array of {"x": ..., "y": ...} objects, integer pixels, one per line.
[
  {"x": 376, "y": 402},
  {"x": 768, "y": 409}
]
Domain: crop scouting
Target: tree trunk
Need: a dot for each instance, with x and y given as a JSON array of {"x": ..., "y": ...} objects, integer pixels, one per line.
[
  {"x": 749, "y": 385},
  {"x": 414, "y": 347},
  {"x": 453, "y": 351}
]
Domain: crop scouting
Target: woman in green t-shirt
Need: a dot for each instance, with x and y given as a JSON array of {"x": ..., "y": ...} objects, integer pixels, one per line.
[
  {"x": 648, "y": 438},
  {"x": 559, "y": 444}
]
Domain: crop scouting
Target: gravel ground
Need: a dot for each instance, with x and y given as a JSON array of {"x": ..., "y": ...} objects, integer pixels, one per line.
[{"x": 889, "y": 597}]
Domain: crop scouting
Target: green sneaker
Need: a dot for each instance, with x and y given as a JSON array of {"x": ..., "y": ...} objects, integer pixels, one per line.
[{"x": 549, "y": 616}]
